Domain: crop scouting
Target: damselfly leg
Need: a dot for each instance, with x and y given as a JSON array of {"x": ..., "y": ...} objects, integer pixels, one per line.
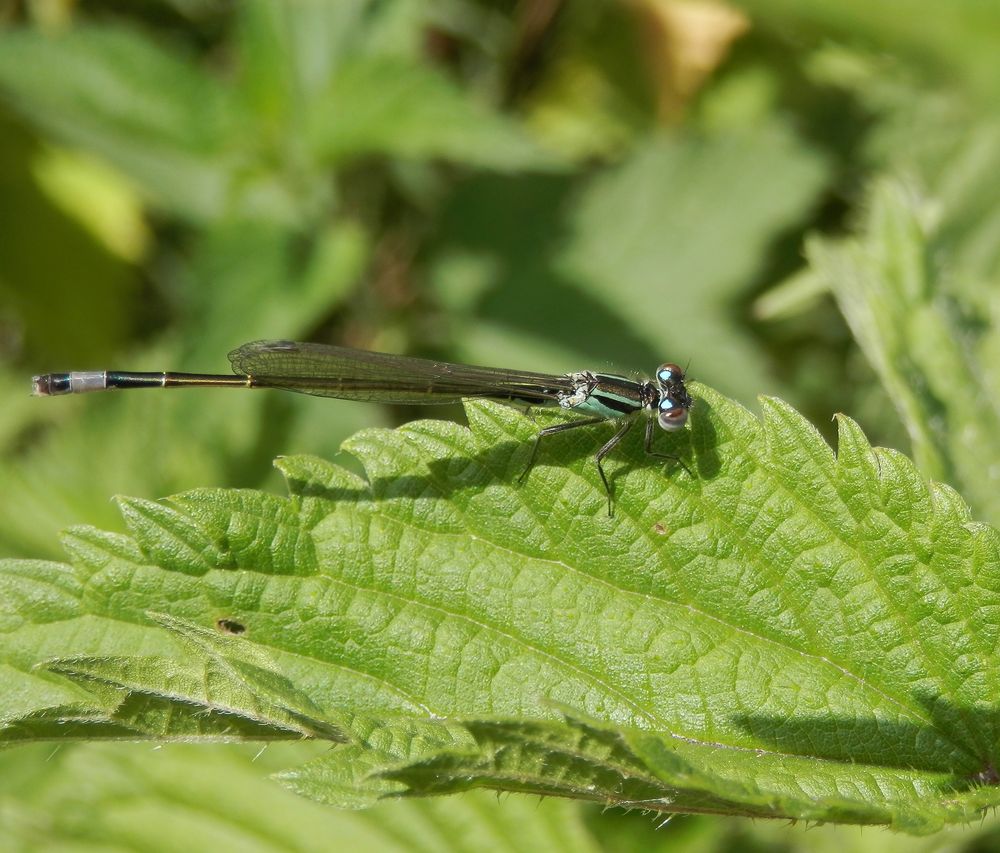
[{"x": 601, "y": 454}]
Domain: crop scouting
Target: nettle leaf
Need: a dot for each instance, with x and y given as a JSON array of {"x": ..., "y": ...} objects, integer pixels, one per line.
[
  {"x": 933, "y": 348},
  {"x": 775, "y": 631}
]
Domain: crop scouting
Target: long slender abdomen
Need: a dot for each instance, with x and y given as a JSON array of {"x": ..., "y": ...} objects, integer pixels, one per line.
[{"x": 86, "y": 381}]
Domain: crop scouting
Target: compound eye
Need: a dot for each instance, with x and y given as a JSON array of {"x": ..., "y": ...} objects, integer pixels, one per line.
[
  {"x": 667, "y": 374},
  {"x": 671, "y": 415}
]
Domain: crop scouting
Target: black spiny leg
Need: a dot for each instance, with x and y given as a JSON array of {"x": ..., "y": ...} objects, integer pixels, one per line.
[
  {"x": 604, "y": 451},
  {"x": 552, "y": 430},
  {"x": 647, "y": 445}
]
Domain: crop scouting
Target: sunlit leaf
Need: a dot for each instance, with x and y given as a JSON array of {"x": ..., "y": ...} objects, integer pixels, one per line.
[
  {"x": 776, "y": 632},
  {"x": 934, "y": 355}
]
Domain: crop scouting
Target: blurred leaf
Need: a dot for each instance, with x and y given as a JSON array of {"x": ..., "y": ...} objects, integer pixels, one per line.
[
  {"x": 162, "y": 98},
  {"x": 651, "y": 260},
  {"x": 595, "y": 91},
  {"x": 289, "y": 51},
  {"x": 141, "y": 107},
  {"x": 124, "y": 797},
  {"x": 794, "y": 296},
  {"x": 395, "y": 107},
  {"x": 91, "y": 448},
  {"x": 62, "y": 292},
  {"x": 711, "y": 834},
  {"x": 18, "y": 415},
  {"x": 961, "y": 173},
  {"x": 852, "y": 654},
  {"x": 935, "y": 357},
  {"x": 669, "y": 240},
  {"x": 204, "y": 149},
  {"x": 97, "y": 198},
  {"x": 507, "y": 301},
  {"x": 959, "y": 38},
  {"x": 939, "y": 137},
  {"x": 248, "y": 280},
  {"x": 252, "y": 280}
]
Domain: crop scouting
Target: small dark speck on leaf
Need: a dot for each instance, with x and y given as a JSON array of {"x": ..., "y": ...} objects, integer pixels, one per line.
[{"x": 228, "y": 626}]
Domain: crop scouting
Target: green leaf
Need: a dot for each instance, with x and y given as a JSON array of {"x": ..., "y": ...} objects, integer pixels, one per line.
[
  {"x": 251, "y": 280},
  {"x": 672, "y": 239},
  {"x": 782, "y": 632},
  {"x": 227, "y": 679},
  {"x": 961, "y": 40},
  {"x": 246, "y": 280},
  {"x": 791, "y": 297},
  {"x": 120, "y": 797},
  {"x": 289, "y": 52},
  {"x": 358, "y": 776},
  {"x": 392, "y": 106},
  {"x": 258, "y": 146},
  {"x": 596, "y": 92},
  {"x": 77, "y": 300},
  {"x": 142, "y": 108},
  {"x": 650, "y": 259},
  {"x": 933, "y": 346}
]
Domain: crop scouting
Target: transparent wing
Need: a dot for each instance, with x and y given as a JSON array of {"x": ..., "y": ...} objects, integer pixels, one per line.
[{"x": 352, "y": 374}]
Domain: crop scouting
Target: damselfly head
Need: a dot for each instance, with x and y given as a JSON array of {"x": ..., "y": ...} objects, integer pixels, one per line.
[{"x": 675, "y": 402}]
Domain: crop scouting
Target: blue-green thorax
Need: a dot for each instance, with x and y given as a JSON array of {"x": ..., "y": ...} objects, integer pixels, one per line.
[
  {"x": 608, "y": 396},
  {"x": 605, "y": 395}
]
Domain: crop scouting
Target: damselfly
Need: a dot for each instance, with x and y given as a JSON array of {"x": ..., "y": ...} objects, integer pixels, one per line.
[{"x": 352, "y": 374}]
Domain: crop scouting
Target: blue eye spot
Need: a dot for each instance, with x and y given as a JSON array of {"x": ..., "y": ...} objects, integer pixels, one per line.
[
  {"x": 672, "y": 414},
  {"x": 669, "y": 374}
]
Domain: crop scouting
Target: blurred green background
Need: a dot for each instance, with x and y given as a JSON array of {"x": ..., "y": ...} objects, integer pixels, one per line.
[{"x": 549, "y": 185}]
